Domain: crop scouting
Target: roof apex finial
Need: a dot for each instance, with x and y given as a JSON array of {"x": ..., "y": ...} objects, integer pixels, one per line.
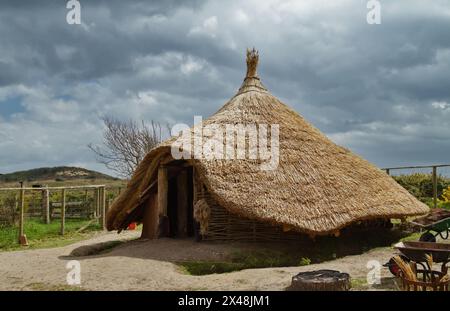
[{"x": 252, "y": 63}]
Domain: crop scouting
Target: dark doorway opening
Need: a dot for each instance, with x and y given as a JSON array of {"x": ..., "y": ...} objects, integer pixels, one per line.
[{"x": 179, "y": 202}]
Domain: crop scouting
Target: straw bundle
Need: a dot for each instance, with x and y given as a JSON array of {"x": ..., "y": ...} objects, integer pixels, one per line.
[
  {"x": 317, "y": 188},
  {"x": 434, "y": 280},
  {"x": 202, "y": 213},
  {"x": 407, "y": 268}
]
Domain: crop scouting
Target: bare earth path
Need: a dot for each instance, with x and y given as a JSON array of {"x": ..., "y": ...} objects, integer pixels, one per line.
[{"x": 145, "y": 265}]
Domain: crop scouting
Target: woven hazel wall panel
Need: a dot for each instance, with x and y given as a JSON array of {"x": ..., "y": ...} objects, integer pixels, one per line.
[{"x": 224, "y": 226}]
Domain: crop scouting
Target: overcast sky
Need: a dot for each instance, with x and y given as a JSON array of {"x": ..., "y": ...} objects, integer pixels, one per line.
[{"x": 381, "y": 90}]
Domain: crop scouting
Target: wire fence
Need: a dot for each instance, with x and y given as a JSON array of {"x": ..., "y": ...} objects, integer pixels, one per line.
[{"x": 41, "y": 212}]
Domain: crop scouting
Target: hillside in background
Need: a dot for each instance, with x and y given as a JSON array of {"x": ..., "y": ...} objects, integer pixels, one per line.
[{"x": 59, "y": 173}]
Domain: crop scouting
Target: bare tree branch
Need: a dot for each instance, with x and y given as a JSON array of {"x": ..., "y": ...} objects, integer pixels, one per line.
[{"x": 125, "y": 144}]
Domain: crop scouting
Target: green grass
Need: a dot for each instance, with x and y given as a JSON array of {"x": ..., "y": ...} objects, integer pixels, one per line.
[
  {"x": 41, "y": 235},
  {"x": 359, "y": 283},
  {"x": 49, "y": 287},
  {"x": 244, "y": 260},
  {"x": 415, "y": 236},
  {"x": 302, "y": 252}
]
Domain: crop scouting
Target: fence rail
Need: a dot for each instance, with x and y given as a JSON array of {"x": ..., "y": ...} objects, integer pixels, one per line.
[{"x": 54, "y": 188}]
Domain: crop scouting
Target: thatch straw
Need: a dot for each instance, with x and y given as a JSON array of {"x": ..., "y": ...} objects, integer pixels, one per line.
[
  {"x": 317, "y": 188},
  {"x": 406, "y": 268},
  {"x": 445, "y": 278},
  {"x": 429, "y": 259},
  {"x": 202, "y": 213},
  {"x": 252, "y": 63}
]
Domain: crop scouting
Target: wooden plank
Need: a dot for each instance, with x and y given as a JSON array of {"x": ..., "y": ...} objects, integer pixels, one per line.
[
  {"x": 151, "y": 218},
  {"x": 95, "y": 202},
  {"x": 103, "y": 208},
  {"x": 53, "y": 188},
  {"x": 46, "y": 205},
  {"x": 182, "y": 203},
  {"x": 434, "y": 179},
  {"x": 63, "y": 210},
  {"x": 144, "y": 195},
  {"x": 417, "y": 166},
  {"x": 22, "y": 211},
  {"x": 163, "y": 188}
]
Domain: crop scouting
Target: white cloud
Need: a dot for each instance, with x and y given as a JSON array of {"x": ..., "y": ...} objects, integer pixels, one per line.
[
  {"x": 209, "y": 27},
  {"x": 382, "y": 91},
  {"x": 441, "y": 105}
]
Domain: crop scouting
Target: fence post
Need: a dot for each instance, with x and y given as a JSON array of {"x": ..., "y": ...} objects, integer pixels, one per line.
[
  {"x": 434, "y": 179},
  {"x": 63, "y": 210},
  {"x": 98, "y": 202},
  {"x": 95, "y": 202},
  {"x": 103, "y": 207},
  {"x": 46, "y": 205},
  {"x": 85, "y": 197},
  {"x": 22, "y": 237}
]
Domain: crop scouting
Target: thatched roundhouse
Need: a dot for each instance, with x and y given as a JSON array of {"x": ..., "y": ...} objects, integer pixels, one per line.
[{"x": 317, "y": 187}]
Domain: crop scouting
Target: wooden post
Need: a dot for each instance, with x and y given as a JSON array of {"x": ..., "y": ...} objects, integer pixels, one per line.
[
  {"x": 22, "y": 238},
  {"x": 194, "y": 186},
  {"x": 388, "y": 171},
  {"x": 85, "y": 197},
  {"x": 95, "y": 202},
  {"x": 97, "y": 211},
  {"x": 99, "y": 216},
  {"x": 434, "y": 179},
  {"x": 103, "y": 208},
  {"x": 63, "y": 210},
  {"x": 46, "y": 205},
  {"x": 182, "y": 203},
  {"x": 163, "y": 187},
  {"x": 150, "y": 219},
  {"x": 195, "y": 189}
]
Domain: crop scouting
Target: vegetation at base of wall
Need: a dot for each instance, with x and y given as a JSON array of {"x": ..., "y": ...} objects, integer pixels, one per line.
[
  {"x": 304, "y": 252},
  {"x": 41, "y": 235},
  {"x": 240, "y": 260}
]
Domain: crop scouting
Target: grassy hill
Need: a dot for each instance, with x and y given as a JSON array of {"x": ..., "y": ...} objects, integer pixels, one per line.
[{"x": 59, "y": 173}]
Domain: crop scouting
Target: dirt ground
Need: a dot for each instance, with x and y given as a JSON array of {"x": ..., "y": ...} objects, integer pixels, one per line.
[{"x": 146, "y": 265}]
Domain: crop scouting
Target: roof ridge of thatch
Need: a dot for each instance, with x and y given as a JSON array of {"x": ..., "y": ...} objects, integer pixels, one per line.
[{"x": 251, "y": 81}]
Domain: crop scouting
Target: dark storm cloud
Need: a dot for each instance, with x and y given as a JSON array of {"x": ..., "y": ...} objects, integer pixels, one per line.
[{"x": 382, "y": 90}]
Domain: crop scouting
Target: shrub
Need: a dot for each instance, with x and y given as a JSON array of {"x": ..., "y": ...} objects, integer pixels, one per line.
[
  {"x": 421, "y": 186},
  {"x": 8, "y": 210}
]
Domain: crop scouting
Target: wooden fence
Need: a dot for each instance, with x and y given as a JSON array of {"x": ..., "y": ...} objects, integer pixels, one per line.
[
  {"x": 62, "y": 209},
  {"x": 434, "y": 175}
]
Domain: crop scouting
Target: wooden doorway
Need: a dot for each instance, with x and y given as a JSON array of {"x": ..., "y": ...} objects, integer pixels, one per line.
[{"x": 180, "y": 202}]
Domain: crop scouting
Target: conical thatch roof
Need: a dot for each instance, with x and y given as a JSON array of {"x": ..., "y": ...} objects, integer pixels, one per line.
[{"x": 317, "y": 188}]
